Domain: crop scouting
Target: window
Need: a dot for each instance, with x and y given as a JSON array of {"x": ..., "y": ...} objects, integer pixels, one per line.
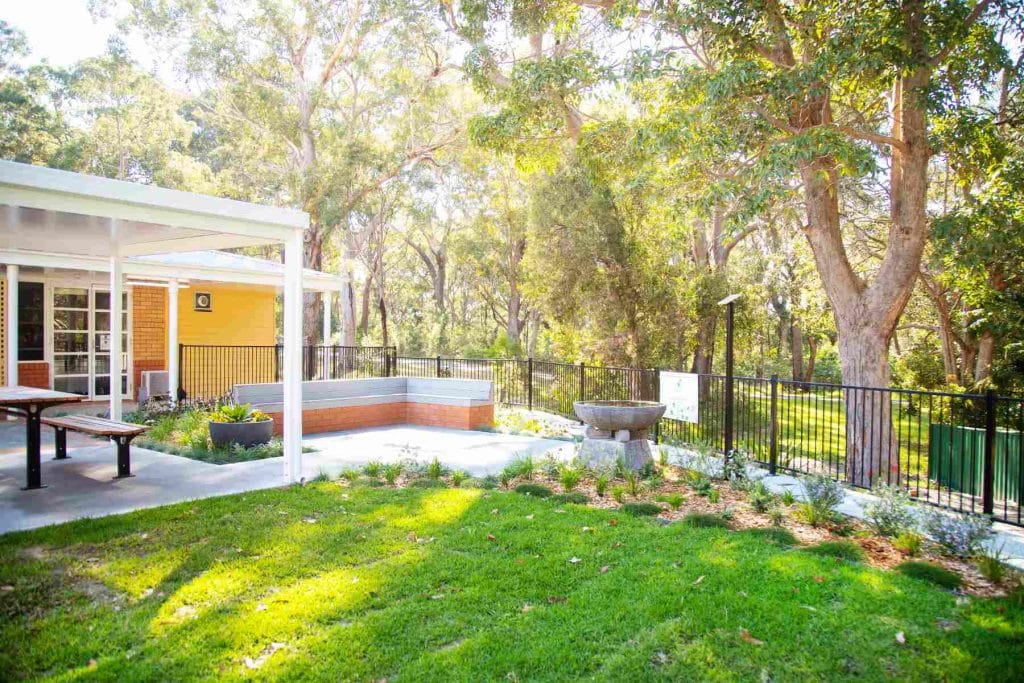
[{"x": 31, "y": 330}]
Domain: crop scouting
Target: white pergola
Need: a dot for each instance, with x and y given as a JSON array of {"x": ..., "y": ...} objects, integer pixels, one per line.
[{"x": 70, "y": 220}]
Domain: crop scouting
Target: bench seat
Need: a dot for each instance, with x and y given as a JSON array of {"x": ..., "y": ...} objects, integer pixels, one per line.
[
  {"x": 336, "y": 405},
  {"x": 120, "y": 433}
]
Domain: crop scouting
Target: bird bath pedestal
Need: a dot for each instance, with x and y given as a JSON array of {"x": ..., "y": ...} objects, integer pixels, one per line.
[{"x": 617, "y": 430}]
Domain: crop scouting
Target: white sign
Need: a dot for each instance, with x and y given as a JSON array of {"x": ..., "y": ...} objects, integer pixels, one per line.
[{"x": 679, "y": 393}]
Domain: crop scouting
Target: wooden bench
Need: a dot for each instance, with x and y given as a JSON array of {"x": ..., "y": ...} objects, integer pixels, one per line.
[{"x": 120, "y": 433}]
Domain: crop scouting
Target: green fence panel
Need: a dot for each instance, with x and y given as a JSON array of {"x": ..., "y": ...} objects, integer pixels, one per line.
[{"x": 956, "y": 459}]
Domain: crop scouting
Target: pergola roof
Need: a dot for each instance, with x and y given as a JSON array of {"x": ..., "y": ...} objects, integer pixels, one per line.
[{"x": 72, "y": 213}]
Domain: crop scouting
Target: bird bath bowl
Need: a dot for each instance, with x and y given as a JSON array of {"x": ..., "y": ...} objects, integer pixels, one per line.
[{"x": 617, "y": 431}]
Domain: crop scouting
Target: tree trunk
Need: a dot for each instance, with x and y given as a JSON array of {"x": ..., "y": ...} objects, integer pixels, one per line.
[
  {"x": 871, "y": 448},
  {"x": 312, "y": 258},
  {"x": 705, "y": 351},
  {"x": 796, "y": 341},
  {"x": 382, "y": 307},
  {"x": 812, "y": 348},
  {"x": 364, "y": 308},
  {"x": 986, "y": 351}
]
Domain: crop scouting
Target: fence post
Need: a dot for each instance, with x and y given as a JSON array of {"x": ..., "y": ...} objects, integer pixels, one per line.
[
  {"x": 583, "y": 379},
  {"x": 987, "y": 492},
  {"x": 529, "y": 382},
  {"x": 657, "y": 398},
  {"x": 773, "y": 434},
  {"x": 181, "y": 387},
  {"x": 438, "y": 368}
]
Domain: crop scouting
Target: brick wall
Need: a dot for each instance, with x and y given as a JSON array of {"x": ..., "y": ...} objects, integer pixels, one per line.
[
  {"x": 149, "y": 331},
  {"x": 355, "y": 417},
  {"x": 34, "y": 373}
]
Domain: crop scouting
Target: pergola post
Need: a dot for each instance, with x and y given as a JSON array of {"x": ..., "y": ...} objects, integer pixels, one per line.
[
  {"x": 327, "y": 316},
  {"x": 293, "y": 253},
  {"x": 12, "y": 325},
  {"x": 116, "y": 314},
  {"x": 172, "y": 340}
]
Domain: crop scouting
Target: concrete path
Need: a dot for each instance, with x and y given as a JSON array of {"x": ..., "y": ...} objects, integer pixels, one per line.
[{"x": 82, "y": 486}]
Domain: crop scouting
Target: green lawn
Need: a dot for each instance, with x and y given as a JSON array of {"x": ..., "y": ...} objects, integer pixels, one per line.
[{"x": 329, "y": 583}]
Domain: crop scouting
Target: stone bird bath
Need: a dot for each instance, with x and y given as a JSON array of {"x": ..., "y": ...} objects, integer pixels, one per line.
[{"x": 617, "y": 430}]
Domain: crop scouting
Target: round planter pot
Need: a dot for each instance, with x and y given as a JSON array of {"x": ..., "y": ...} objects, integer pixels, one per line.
[{"x": 224, "y": 434}]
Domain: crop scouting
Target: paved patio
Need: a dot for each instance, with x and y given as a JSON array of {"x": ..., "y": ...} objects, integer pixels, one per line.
[{"x": 82, "y": 486}]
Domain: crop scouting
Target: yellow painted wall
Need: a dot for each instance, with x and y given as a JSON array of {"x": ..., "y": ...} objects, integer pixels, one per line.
[{"x": 242, "y": 315}]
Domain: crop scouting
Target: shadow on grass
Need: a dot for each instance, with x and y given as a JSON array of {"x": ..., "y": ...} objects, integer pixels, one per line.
[{"x": 357, "y": 584}]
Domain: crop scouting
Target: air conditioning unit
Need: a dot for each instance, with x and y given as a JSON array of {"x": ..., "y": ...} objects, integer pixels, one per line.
[{"x": 155, "y": 384}]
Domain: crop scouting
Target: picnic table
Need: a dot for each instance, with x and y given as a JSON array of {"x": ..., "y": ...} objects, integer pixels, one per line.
[{"x": 29, "y": 402}]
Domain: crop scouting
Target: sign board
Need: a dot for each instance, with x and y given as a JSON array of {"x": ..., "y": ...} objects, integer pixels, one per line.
[
  {"x": 204, "y": 302},
  {"x": 680, "y": 394}
]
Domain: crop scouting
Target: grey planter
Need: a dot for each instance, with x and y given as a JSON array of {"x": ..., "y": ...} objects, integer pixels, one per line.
[{"x": 224, "y": 434}]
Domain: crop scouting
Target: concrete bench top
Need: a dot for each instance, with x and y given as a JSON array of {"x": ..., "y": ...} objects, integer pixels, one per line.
[{"x": 373, "y": 391}]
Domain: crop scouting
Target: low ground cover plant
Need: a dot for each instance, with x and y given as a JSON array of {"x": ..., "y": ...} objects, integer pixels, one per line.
[
  {"x": 891, "y": 512},
  {"x": 932, "y": 573},
  {"x": 823, "y": 495},
  {"x": 959, "y": 533}
]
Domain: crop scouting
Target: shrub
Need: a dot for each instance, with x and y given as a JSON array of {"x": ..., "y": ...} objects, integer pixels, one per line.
[
  {"x": 705, "y": 520},
  {"x": 776, "y": 515},
  {"x": 713, "y": 496},
  {"x": 844, "y": 550},
  {"x": 426, "y": 483},
  {"x": 574, "y": 497},
  {"x": 662, "y": 456},
  {"x": 926, "y": 571},
  {"x": 349, "y": 474},
  {"x": 458, "y": 477},
  {"x": 702, "y": 486},
  {"x": 505, "y": 478},
  {"x": 992, "y": 564},
  {"x": 909, "y": 542},
  {"x": 619, "y": 493},
  {"x": 734, "y": 469},
  {"x": 535, "y": 490},
  {"x": 787, "y": 498},
  {"x": 569, "y": 476},
  {"x": 520, "y": 467},
  {"x": 760, "y": 498},
  {"x": 373, "y": 468},
  {"x": 435, "y": 470},
  {"x": 633, "y": 484},
  {"x": 823, "y": 493},
  {"x": 601, "y": 484},
  {"x": 891, "y": 513},
  {"x": 641, "y": 509},
  {"x": 960, "y": 534},
  {"x": 776, "y": 535},
  {"x": 234, "y": 412},
  {"x": 391, "y": 472},
  {"x": 675, "y": 500}
]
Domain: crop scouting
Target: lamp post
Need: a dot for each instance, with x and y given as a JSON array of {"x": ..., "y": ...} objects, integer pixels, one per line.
[{"x": 728, "y": 302}]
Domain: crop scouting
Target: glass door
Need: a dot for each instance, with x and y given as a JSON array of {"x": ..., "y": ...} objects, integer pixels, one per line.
[
  {"x": 101, "y": 343},
  {"x": 71, "y": 340}
]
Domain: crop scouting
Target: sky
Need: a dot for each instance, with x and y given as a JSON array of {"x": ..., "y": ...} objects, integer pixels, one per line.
[{"x": 63, "y": 32}]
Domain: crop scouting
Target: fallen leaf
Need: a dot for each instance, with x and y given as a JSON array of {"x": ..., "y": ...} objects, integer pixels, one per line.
[
  {"x": 604, "y": 569},
  {"x": 490, "y": 537},
  {"x": 900, "y": 638},
  {"x": 261, "y": 607},
  {"x": 411, "y": 537},
  {"x": 809, "y": 608},
  {"x": 586, "y": 530},
  {"x": 795, "y": 589},
  {"x": 613, "y": 522},
  {"x": 819, "y": 579},
  {"x": 745, "y": 635},
  {"x": 574, "y": 560},
  {"x": 947, "y": 625},
  {"x": 699, "y": 579},
  {"x": 494, "y": 511},
  {"x": 560, "y": 511},
  {"x": 439, "y": 596},
  {"x": 6, "y": 589},
  {"x": 310, "y": 520},
  {"x": 527, "y": 607},
  {"x": 617, "y": 544},
  {"x": 556, "y": 598},
  {"x": 267, "y": 651},
  {"x": 529, "y": 516}
]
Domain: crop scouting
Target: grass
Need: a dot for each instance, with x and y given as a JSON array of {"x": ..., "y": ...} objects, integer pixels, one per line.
[
  {"x": 535, "y": 490},
  {"x": 642, "y": 509},
  {"x": 326, "y": 582},
  {"x": 842, "y": 550},
  {"x": 932, "y": 573}
]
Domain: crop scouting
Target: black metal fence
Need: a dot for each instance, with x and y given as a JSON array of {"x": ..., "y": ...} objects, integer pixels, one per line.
[{"x": 959, "y": 451}]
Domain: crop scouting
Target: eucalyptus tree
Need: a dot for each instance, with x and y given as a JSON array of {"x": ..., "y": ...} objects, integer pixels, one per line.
[
  {"x": 837, "y": 91},
  {"x": 322, "y": 102},
  {"x": 33, "y": 124}
]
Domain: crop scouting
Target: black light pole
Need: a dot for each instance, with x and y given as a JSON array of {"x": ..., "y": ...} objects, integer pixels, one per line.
[{"x": 728, "y": 303}]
